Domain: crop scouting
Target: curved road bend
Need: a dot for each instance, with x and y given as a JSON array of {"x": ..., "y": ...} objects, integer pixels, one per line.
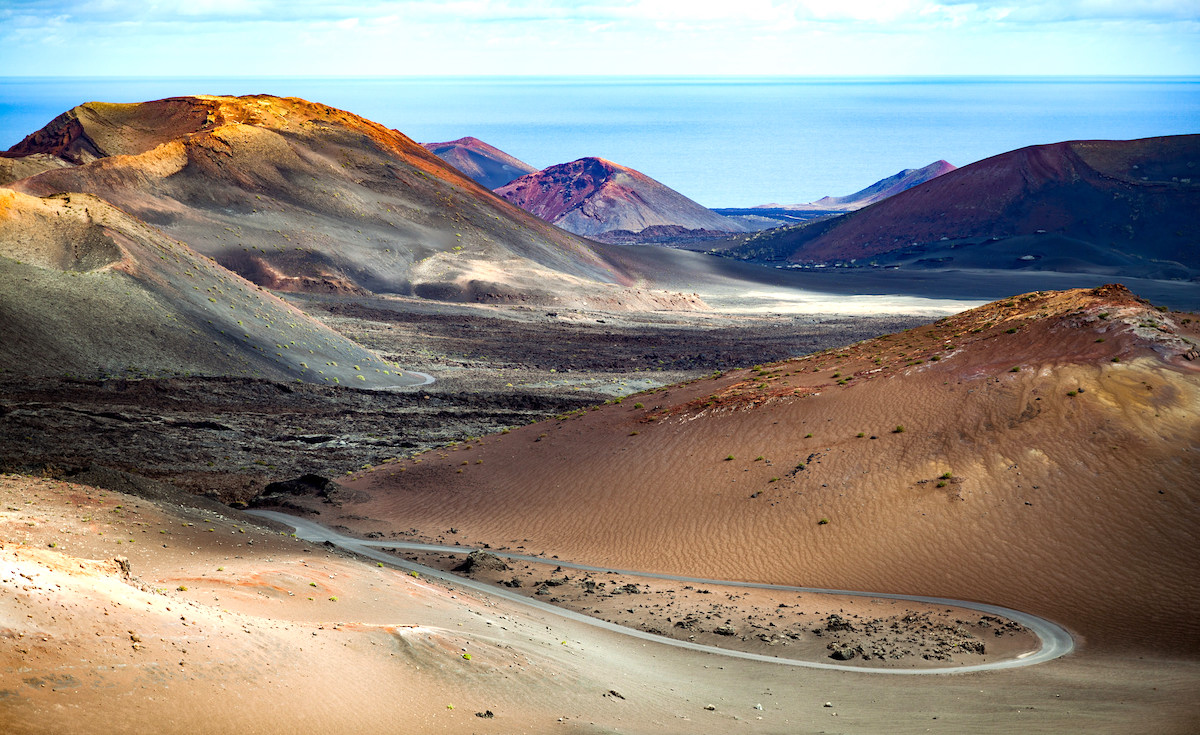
[
  {"x": 1055, "y": 640},
  {"x": 418, "y": 379}
]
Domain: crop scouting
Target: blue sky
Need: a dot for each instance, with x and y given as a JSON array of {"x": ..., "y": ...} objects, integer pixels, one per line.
[{"x": 613, "y": 37}]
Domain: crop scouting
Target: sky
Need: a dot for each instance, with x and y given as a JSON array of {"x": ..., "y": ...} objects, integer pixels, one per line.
[{"x": 307, "y": 38}]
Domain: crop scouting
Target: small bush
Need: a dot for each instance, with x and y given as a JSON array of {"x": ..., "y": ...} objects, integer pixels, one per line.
[
  {"x": 823, "y": 522},
  {"x": 639, "y": 405},
  {"x": 1015, "y": 369},
  {"x": 808, "y": 436},
  {"x": 859, "y": 435},
  {"x": 182, "y": 588},
  {"x": 333, "y": 598},
  {"x": 941, "y": 483},
  {"x": 729, "y": 458},
  {"x": 1072, "y": 393},
  {"x": 945, "y": 476},
  {"x": 899, "y": 429},
  {"x": 759, "y": 458},
  {"x": 1011, "y": 330},
  {"x": 1101, "y": 339}
]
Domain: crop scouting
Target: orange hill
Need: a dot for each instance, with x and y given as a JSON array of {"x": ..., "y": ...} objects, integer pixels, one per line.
[
  {"x": 1038, "y": 453},
  {"x": 297, "y": 196}
]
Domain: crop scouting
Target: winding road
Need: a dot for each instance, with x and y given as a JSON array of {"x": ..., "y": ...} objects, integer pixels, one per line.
[{"x": 1055, "y": 640}]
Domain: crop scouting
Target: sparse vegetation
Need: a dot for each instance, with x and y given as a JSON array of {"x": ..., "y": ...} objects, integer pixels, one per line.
[
  {"x": 823, "y": 522},
  {"x": 899, "y": 429}
]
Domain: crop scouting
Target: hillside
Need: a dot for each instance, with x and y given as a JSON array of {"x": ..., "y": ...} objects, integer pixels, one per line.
[
  {"x": 1110, "y": 207},
  {"x": 297, "y": 196},
  {"x": 1033, "y": 453},
  {"x": 485, "y": 164},
  {"x": 877, "y": 192},
  {"x": 88, "y": 291},
  {"x": 602, "y": 200}
]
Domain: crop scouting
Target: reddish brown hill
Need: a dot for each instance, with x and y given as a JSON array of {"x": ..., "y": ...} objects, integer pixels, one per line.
[
  {"x": 300, "y": 196},
  {"x": 593, "y": 196},
  {"x": 1124, "y": 206},
  {"x": 487, "y": 165},
  {"x": 1038, "y": 453}
]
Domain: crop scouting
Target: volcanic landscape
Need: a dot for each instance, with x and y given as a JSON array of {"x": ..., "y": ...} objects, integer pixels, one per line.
[{"x": 304, "y": 428}]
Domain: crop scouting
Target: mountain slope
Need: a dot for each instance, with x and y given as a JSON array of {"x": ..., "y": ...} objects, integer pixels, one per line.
[
  {"x": 88, "y": 291},
  {"x": 1037, "y": 453},
  {"x": 593, "y": 197},
  {"x": 487, "y": 165},
  {"x": 877, "y": 192},
  {"x": 299, "y": 196},
  {"x": 1124, "y": 207}
]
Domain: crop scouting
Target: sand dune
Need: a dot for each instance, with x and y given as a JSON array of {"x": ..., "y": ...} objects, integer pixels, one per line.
[{"x": 1034, "y": 453}]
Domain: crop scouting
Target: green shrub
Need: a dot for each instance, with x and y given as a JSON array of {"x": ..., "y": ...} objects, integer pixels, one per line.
[
  {"x": 823, "y": 522},
  {"x": 899, "y": 429}
]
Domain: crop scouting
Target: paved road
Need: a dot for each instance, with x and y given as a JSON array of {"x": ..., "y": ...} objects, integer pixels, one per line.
[
  {"x": 418, "y": 379},
  {"x": 1055, "y": 640}
]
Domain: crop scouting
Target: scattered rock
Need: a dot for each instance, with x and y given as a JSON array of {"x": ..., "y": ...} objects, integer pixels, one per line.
[
  {"x": 478, "y": 561},
  {"x": 842, "y": 653}
]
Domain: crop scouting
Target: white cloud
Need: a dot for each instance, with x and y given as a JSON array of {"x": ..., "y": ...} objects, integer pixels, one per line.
[{"x": 277, "y": 37}]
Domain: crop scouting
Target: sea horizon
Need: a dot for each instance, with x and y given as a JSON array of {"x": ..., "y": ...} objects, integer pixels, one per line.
[{"x": 725, "y": 141}]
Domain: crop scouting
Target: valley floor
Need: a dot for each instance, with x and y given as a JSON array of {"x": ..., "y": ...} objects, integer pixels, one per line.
[{"x": 226, "y": 626}]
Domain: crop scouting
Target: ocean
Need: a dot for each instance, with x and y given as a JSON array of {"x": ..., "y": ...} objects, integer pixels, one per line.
[{"x": 725, "y": 142}]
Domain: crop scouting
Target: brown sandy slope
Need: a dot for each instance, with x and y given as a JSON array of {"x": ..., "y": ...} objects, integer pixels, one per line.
[
  {"x": 225, "y": 627},
  {"x": 877, "y": 192},
  {"x": 86, "y": 290},
  {"x": 297, "y": 196},
  {"x": 592, "y": 197},
  {"x": 487, "y": 165},
  {"x": 1067, "y": 423},
  {"x": 1073, "y": 206}
]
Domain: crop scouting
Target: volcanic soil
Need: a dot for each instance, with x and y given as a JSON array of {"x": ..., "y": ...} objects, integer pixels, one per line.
[{"x": 1035, "y": 453}]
